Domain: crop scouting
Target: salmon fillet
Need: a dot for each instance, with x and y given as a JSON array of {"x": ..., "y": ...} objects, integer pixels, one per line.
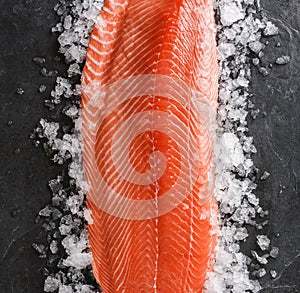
[{"x": 149, "y": 100}]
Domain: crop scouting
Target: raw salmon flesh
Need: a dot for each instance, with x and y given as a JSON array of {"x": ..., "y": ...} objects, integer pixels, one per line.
[{"x": 150, "y": 86}]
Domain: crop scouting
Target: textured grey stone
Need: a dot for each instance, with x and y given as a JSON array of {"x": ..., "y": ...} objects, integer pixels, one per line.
[
  {"x": 277, "y": 139},
  {"x": 25, "y": 33}
]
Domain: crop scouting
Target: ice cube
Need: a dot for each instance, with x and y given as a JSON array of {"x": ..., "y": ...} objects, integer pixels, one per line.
[
  {"x": 273, "y": 274},
  {"x": 261, "y": 259},
  {"x": 263, "y": 242},
  {"x": 271, "y": 29},
  {"x": 226, "y": 50},
  {"x": 283, "y": 60},
  {"x": 53, "y": 247},
  {"x": 241, "y": 234},
  {"x": 263, "y": 71},
  {"x": 42, "y": 88},
  {"x": 68, "y": 22},
  {"x": 74, "y": 69},
  {"x": 231, "y": 12},
  {"x": 20, "y": 91},
  {"x": 274, "y": 252},
  {"x": 39, "y": 60},
  {"x": 88, "y": 216},
  {"x": 255, "y": 61},
  {"x": 51, "y": 284},
  {"x": 265, "y": 175},
  {"x": 45, "y": 212},
  {"x": 256, "y": 46},
  {"x": 260, "y": 273},
  {"x": 78, "y": 260}
]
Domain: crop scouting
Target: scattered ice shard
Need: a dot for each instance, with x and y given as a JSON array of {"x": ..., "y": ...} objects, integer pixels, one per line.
[
  {"x": 256, "y": 46},
  {"x": 51, "y": 284},
  {"x": 273, "y": 274},
  {"x": 274, "y": 252},
  {"x": 271, "y": 29},
  {"x": 283, "y": 60},
  {"x": 263, "y": 242},
  {"x": 42, "y": 88},
  {"x": 20, "y": 91},
  {"x": 265, "y": 175}
]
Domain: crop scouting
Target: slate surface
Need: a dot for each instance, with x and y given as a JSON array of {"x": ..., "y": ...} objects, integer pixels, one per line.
[
  {"x": 276, "y": 133},
  {"x": 24, "y": 170}
]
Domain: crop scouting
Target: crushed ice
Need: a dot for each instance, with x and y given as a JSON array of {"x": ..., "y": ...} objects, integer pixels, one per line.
[
  {"x": 68, "y": 266},
  {"x": 240, "y": 28}
]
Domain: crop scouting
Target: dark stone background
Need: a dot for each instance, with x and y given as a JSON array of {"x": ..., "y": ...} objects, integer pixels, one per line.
[{"x": 25, "y": 33}]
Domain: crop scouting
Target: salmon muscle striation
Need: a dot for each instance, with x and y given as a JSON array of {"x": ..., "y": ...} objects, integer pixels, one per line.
[{"x": 149, "y": 100}]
